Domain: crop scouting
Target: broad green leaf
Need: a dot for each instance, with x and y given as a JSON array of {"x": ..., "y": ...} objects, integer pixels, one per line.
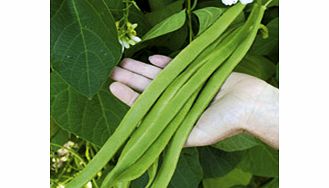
[
  {"x": 115, "y": 6},
  {"x": 53, "y": 128},
  {"x": 159, "y": 4},
  {"x": 235, "y": 177},
  {"x": 272, "y": 184},
  {"x": 210, "y": 3},
  {"x": 168, "y": 25},
  {"x": 57, "y": 135},
  {"x": 237, "y": 143},
  {"x": 217, "y": 163},
  {"x": 261, "y": 161},
  {"x": 173, "y": 41},
  {"x": 189, "y": 171},
  {"x": 84, "y": 44},
  {"x": 266, "y": 46},
  {"x": 257, "y": 66},
  {"x": 277, "y": 70},
  {"x": 93, "y": 120},
  {"x": 159, "y": 15},
  {"x": 207, "y": 16}
]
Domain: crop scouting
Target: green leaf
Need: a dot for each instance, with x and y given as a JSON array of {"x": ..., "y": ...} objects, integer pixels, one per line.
[
  {"x": 261, "y": 161},
  {"x": 159, "y": 15},
  {"x": 257, "y": 66},
  {"x": 237, "y": 143},
  {"x": 207, "y": 16},
  {"x": 53, "y": 128},
  {"x": 217, "y": 163},
  {"x": 84, "y": 44},
  {"x": 159, "y": 4},
  {"x": 57, "y": 135},
  {"x": 173, "y": 41},
  {"x": 210, "y": 3},
  {"x": 115, "y": 6},
  {"x": 233, "y": 178},
  {"x": 272, "y": 184},
  {"x": 93, "y": 120},
  {"x": 189, "y": 171},
  {"x": 267, "y": 46},
  {"x": 277, "y": 72},
  {"x": 168, "y": 25}
]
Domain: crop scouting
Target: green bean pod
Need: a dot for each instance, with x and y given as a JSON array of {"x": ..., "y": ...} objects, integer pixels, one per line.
[
  {"x": 140, "y": 166},
  {"x": 122, "y": 185},
  {"x": 148, "y": 157},
  {"x": 150, "y": 95},
  {"x": 157, "y": 122},
  {"x": 170, "y": 160},
  {"x": 143, "y": 163}
]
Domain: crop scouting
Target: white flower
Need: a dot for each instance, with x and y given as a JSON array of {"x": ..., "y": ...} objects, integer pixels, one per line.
[
  {"x": 125, "y": 44},
  {"x": 127, "y": 35},
  {"x": 62, "y": 152},
  {"x": 246, "y": 1},
  {"x": 135, "y": 38},
  {"x": 231, "y": 2},
  {"x": 64, "y": 158},
  {"x": 69, "y": 144},
  {"x": 124, "y": 41}
]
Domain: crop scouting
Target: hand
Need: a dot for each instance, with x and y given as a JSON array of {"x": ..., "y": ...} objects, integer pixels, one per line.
[{"x": 244, "y": 103}]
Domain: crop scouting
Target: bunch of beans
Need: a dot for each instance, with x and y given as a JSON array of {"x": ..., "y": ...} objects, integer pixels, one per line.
[{"x": 162, "y": 117}]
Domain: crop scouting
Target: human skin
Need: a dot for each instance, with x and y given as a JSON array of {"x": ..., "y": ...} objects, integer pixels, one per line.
[{"x": 243, "y": 104}]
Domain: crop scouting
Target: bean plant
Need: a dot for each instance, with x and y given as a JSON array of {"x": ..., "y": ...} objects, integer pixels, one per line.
[{"x": 97, "y": 141}]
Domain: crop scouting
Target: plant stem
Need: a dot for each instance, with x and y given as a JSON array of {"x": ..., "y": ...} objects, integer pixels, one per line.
[
  {"x": 189, "y": 16},
  {"x": 127, "y": 10}
]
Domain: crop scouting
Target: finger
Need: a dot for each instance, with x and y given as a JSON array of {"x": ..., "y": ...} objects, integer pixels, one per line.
[
  {"x": 131, "y": 79},
  {"x": 123, "y": 93},
  {"x": 141, "y": 68},
  {"x": 159, "y": 60}
]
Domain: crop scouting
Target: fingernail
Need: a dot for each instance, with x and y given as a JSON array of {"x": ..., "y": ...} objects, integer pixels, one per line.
[
  {"x": 113, "y": 88},
  {"x": 159, "y": 60}
]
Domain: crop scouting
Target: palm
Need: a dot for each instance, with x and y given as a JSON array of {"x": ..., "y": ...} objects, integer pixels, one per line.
[{"x": 244, "y": 103}]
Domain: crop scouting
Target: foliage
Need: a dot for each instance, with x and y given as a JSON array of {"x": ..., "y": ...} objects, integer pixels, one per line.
[{"x": 85, "y": 47}]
